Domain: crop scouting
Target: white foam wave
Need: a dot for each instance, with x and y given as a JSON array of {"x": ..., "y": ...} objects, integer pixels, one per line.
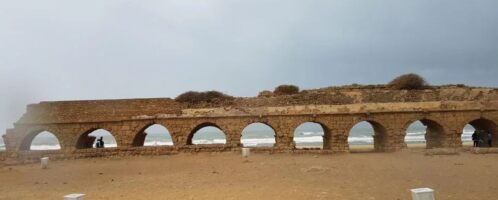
[
  {"x": 311, "y": 139},
  {"x": 360, "y": 140},
  {"x": 45, "y": 147},
  {"x": 158, "y": 143},
  {"x": 258, "y": 142},
  {"x": 207, "y": 141},
  {"x": 415, "y": 133},
  {"x": 311, "y": 133}
]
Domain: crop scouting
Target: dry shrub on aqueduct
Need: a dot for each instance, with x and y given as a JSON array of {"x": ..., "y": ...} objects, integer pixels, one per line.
[
  {"x": 198, "y": 97},
  {"x": 286, "y": 90},
  {"x": 408, "y": 82}
]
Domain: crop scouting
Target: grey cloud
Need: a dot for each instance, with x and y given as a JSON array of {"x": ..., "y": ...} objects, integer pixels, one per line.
[{"x": 60, "y": 50}]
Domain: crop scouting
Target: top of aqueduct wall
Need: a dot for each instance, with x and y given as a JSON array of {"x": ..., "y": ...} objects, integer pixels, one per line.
[{"x": 331, "y": 100}]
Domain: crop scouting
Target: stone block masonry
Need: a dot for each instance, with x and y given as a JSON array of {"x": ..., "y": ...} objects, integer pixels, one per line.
[{"x": 444, "y": 110}]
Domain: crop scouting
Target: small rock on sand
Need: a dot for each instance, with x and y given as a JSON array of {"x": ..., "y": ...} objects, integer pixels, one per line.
[{"x": 315, "y": 169}]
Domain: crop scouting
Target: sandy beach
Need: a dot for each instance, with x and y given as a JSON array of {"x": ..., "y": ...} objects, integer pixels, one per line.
[{"x": 261, "y": 176}]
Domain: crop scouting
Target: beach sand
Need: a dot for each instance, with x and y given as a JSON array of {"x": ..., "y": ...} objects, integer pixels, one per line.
[{"x": 381, "y": 176}]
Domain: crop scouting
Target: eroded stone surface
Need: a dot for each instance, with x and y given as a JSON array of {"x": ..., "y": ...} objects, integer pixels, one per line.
[{"x": 445, "y": 110}]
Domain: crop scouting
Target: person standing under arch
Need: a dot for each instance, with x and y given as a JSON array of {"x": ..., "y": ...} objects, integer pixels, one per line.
[
  {"x": 475, "y": 139},
  {"x": 100, "y": 142}
]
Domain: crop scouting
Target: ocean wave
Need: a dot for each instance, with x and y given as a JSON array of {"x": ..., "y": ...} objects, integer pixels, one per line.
[
  {"x": 415, "y": 133},
  {"x": 260, "y": 142},
  {"x": 45, "y": 147},
  {"x": 311, "y": 133},
  {"x": 311, "y": 139},
  {"x": 158, "y": 143},
  {"x": 360, "y": 140},
  {"x": 302, "y": 138},
  {"x": 209, "y": 141}
]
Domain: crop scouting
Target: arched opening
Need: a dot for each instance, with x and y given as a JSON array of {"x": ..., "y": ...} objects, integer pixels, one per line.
[
  {"x": 258, "y": 135},
  {"x": 2, "y": 143},
  {"x": 207, "y": 133},
  {"x": 41, "y": 140},
  {"x": 309, "y": 135},
  {"x": 367, "y": 136},
  {"x": 466, "y": 137},
  {"x": 486, "y": 133},
  {"x": 153, "y": 135},
  {"x": 90, "y": 139},
  {"x": 424, "y": 133}
]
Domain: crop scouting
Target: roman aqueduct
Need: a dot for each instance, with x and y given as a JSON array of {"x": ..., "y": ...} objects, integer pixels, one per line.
[{"x": 444, "y": 111}]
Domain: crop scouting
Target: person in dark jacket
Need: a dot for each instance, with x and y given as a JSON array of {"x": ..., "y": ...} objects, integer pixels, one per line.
[
  {"x": 475, "y": 138},
  {"x": 100, "y": 143}
]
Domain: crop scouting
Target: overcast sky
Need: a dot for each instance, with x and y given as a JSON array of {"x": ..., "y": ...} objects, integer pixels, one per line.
[{"x": 93, "y": 49}]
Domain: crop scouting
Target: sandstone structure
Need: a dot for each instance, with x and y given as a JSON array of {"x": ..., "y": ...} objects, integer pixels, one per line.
[{"x": 445, "y": 110}]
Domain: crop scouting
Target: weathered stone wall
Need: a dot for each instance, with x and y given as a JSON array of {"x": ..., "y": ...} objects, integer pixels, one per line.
[
  {"x": 328, "y": 100},
  {"x": 98, "y": 110},
  {"x": 390, "y": 130},
  {"x": 445, "y": 112}
]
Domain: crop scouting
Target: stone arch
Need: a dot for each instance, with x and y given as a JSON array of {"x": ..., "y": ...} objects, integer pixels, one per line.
[
  {"x": 27, "y": 142},
  {"x": 86, "y": 141},
  {"x": 380, "y": 134},
  {"x": 142, "y": 135},
  {"x": 202, "y": 126},
  {"x": 435, "y": 134},
  {"x": 316, "y": 137},
  {"x": 484, "y": 126},
  {"x": 264, "y": 137}
]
